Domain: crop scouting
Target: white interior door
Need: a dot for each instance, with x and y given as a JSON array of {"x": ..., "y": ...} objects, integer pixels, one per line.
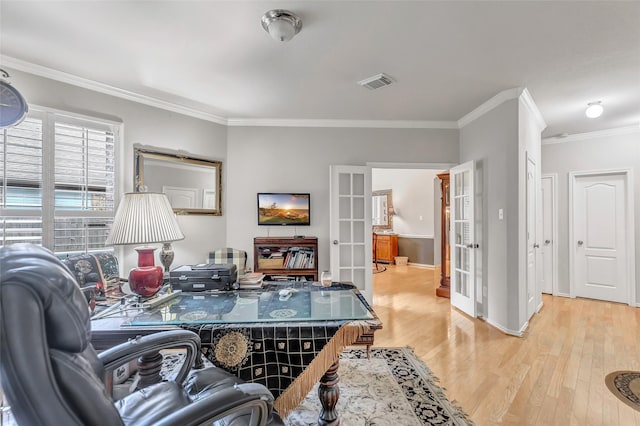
[
  {"x": 548, "y": 239},
  {"x": 350, "y": 227},
  {"x": 462, "y": 244},
  {"x": 598, "y": 243},
  {"x": 532, "y": 244}
]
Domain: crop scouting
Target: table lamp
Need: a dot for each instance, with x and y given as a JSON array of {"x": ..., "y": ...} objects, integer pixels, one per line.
[{"x": 144, "y": 218}]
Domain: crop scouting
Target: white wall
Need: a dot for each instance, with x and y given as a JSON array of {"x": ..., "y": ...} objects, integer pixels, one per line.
[
  {"x": 412, "y": 197},
  {"x": 590, "y": 154},
  {"x": 147, "y": 126},
  {"x": 289, "y": 159}
]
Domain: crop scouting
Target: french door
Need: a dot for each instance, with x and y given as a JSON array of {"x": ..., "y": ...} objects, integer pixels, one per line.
[
  {"x": 350, "y": 227},
  {"x": 463, "y": 283}
]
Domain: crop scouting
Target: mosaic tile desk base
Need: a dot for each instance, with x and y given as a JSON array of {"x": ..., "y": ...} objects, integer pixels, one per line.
[{"x": 287, "y": 357}]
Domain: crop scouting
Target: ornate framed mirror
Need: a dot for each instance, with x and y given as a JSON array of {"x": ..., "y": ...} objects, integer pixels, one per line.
[
  {"x": 382, "y": 210},
  {"x": 193, "y": 185}
]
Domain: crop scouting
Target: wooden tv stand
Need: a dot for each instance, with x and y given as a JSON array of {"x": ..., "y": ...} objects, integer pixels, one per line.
[{"x": 286, "y": 256}]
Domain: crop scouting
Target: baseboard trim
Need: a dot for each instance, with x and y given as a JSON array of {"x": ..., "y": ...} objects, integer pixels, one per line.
[
  {"x": 517, "y": 333},
  {"x": 421, "y": 265},
  {"x": 562, "y": 295},
  {"x": 539, "y": 307}
]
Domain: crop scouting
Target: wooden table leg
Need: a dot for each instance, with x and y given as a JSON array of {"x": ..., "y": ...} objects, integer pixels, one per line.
[{"x": 329, "y": 392}]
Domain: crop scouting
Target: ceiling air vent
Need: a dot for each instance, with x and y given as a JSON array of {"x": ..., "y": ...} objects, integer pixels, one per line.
[{"x": 376, "y": 82}]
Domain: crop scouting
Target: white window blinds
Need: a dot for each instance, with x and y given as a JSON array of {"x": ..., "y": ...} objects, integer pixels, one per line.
[{"x": 58, "y": 182}]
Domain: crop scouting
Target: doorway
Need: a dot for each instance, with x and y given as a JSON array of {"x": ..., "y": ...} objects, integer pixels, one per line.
[{"x": 412, "y": 230}]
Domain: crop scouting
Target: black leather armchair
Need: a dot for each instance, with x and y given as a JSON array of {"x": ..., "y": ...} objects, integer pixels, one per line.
[{"x": 51, "y": 374}]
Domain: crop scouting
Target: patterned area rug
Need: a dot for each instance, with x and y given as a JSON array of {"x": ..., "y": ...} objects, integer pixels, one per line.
[
  {"x": 625, "y": 385},
  {"x": 378, "y": 269},
  {"x": 392, "y": 388}
]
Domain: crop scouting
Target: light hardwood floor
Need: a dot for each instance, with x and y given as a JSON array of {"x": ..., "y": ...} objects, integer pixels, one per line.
[{"x": 554, "y": 375}]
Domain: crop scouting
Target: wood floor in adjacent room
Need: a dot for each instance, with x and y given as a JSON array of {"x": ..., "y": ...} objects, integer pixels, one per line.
[{"x": 554, "y": 375}]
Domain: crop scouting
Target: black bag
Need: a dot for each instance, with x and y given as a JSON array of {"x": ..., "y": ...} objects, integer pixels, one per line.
[{"x": 204, "y": 277}]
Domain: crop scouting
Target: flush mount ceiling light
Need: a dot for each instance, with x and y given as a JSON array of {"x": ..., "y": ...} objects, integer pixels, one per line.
[
  {"x": 281, "y": 25},
  {"x": 594, "y": 109}
]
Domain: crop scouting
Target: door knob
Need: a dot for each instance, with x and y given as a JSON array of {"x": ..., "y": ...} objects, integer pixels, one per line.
[
  {"x": 536, "y": 245},
  {"x": 547, "y": 241},
  {"x": 335, "y": 242},
  {"x": 580, "y": 242}
]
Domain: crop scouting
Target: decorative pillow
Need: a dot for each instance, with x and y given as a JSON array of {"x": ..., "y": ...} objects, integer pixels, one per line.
[{"x": 230, "y": 255}]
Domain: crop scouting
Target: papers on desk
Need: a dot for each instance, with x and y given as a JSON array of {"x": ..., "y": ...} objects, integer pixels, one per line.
[{"x": 251, "y": 280}]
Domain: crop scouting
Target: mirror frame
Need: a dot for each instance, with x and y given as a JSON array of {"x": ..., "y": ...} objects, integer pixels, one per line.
[
  {"x": 140, "y": 153},
  {"x": 389, "y": 194}
]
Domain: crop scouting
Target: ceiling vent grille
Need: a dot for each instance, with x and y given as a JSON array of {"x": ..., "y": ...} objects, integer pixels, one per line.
[{"x": 376, "y": 82}]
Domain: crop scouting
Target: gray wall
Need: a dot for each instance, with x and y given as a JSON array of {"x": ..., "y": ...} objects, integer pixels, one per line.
[
  {"x": 529, "y": 147},
  {"x": 492, "y": 140},
  {"x": 591, "y": 154},
  {"x": 148, "y": 126},
  {"x": 283, "y": 159},
  {"x": 418, "y": 250}
]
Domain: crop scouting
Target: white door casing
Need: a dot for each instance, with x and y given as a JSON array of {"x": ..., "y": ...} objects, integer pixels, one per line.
[
  {"x": 532, "y": 244},
  {"x": 350, "y": 227},
  {"x": 462, "y": 244},
  {"x": 548, "y": 264},
  {"x": 601, "y": 228}
]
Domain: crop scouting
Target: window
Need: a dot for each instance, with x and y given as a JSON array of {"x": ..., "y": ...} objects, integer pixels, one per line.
[{"x": 57, "y": 182}]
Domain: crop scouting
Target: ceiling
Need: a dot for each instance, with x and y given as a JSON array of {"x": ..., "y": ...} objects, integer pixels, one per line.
[{"x": 447, "y": 58}]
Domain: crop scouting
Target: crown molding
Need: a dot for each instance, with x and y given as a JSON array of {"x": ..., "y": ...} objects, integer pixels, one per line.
[
  {"x": 96, "y": 86},
  {"x": 497, "y": 100},
  {"x": 527, "y": 99},
  {"x": 383, "y": 124},
  {"x": 627, "y": 130}
]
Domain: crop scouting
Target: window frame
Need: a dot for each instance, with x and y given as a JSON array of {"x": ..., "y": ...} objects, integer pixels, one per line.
[{"x": 48, "y": 213}]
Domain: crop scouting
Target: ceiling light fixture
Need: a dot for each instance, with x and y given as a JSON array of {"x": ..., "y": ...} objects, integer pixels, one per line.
[
  {"x": 281, "y": 25},
  {"x": 594, "y": 109}
]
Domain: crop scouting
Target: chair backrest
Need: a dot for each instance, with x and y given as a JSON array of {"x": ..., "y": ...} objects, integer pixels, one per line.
[
  {"x": 230, "y": 255},
  {"x": 49, "y": 371}
]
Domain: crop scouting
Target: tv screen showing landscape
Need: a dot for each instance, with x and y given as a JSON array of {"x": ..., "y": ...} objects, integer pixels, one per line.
[{"x": 284, "y": 209}]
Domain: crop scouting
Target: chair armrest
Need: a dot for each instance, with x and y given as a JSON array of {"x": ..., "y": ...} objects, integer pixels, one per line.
[
  {"x": 245, "y": 396},
  {"x": 118, "y": 355}
]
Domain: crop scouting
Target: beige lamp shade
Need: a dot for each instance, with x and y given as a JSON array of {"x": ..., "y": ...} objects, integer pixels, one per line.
[{"x": 142, "y": 218}]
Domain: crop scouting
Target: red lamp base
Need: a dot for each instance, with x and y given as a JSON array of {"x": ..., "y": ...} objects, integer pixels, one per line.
[{"x": 146, "y": 279}]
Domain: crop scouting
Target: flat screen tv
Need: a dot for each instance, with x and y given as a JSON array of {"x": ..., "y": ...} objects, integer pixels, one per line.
[{"x": 284, "y": 209}]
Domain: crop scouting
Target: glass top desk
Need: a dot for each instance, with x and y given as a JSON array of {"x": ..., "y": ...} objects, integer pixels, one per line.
[
  {"x": 263, "y": 305},
  {"x": 261, "y": 335}
]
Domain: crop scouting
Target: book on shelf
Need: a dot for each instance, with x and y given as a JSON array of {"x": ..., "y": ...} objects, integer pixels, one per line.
[{"x": 281, "y": 278}]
